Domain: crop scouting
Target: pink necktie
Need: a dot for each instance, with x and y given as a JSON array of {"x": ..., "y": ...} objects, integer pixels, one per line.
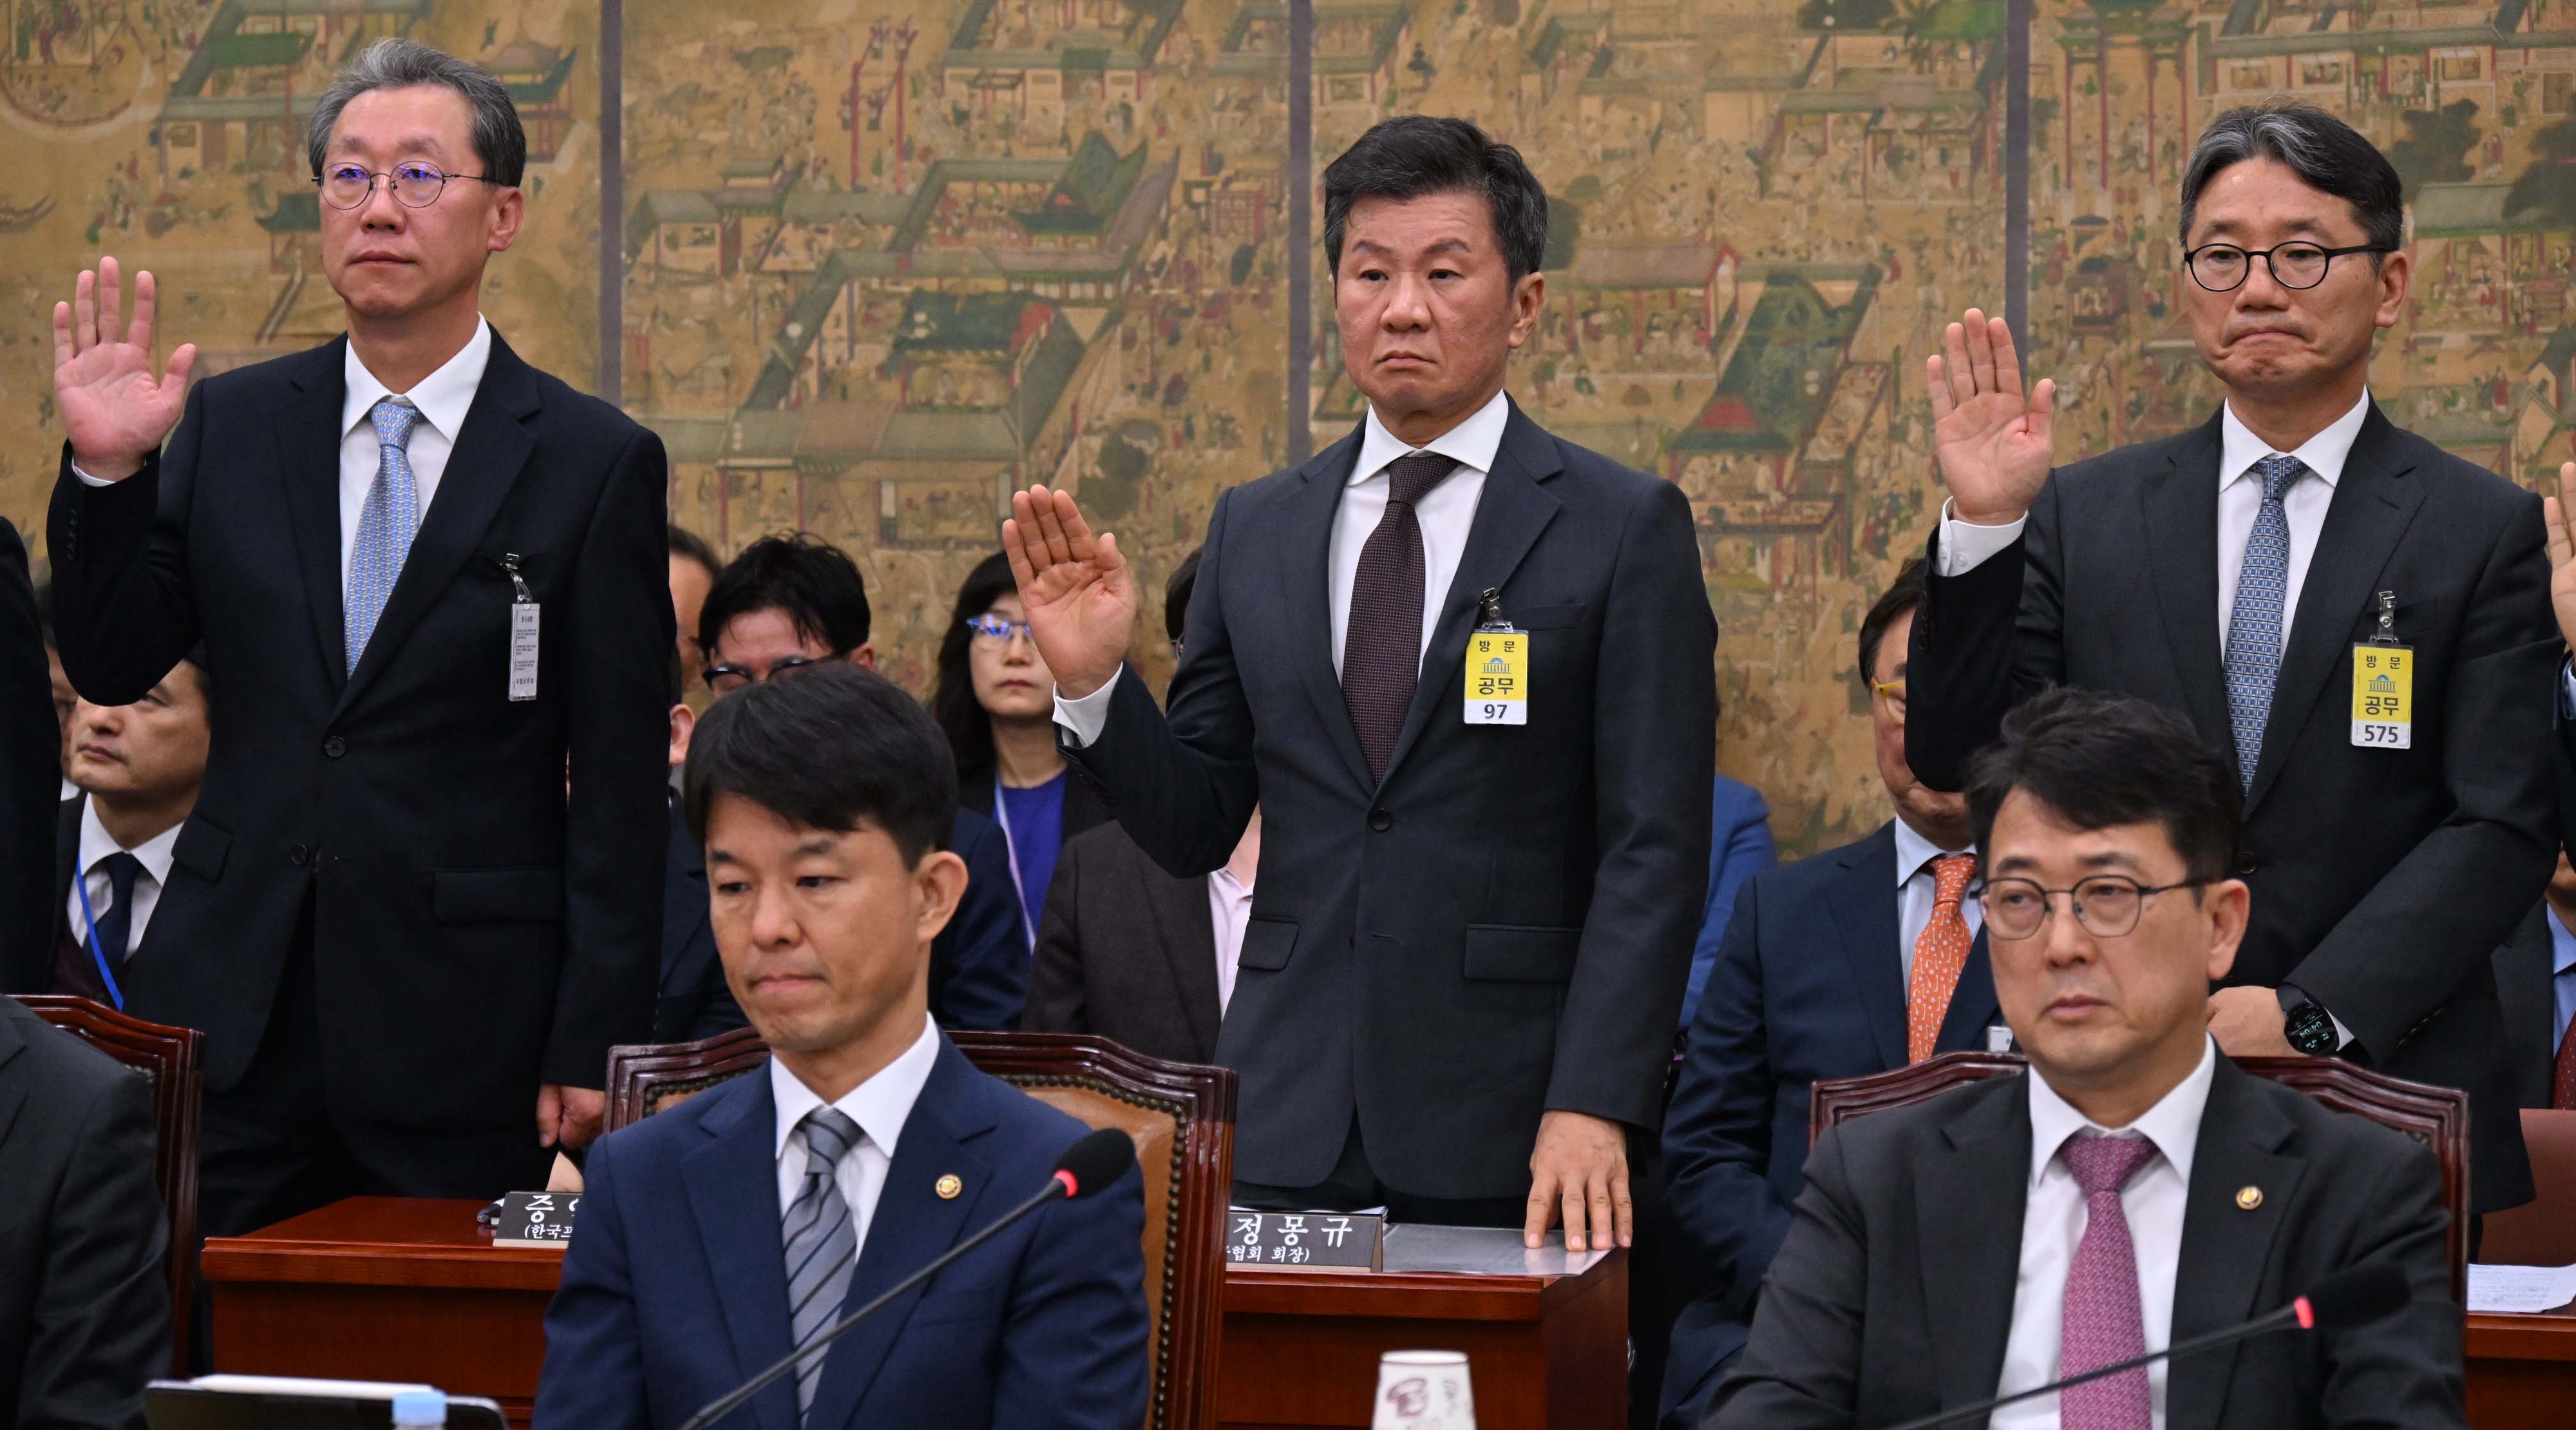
[{"x": 2101, "y": 1323}]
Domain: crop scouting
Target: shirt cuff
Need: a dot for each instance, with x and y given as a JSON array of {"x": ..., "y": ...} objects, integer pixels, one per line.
[
  {"x": 1082, "y": 720},
  {"x": 2566, "y": 688},
  {"x": 87, "y": 480},
  {"x": 1965, "y": 545}
]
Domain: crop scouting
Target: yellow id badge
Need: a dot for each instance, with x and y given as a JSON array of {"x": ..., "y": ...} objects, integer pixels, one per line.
[
  {"x": 1498, "y": 678},
  {"x": 2383, "y": 696}
]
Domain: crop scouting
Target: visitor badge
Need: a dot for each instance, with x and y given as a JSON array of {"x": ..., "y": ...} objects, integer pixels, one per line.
[
  {"x": 2383, "y": 697},
  {"x": 523, "y": 632},
  {"x": 1497, "y": 681}
]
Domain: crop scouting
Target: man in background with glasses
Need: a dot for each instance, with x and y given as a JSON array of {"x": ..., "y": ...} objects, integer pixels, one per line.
[
  {"x": 2358, "y": 618},
  {"x": 427, "y": 577},
  {"x": 2134, "y": 1189}
]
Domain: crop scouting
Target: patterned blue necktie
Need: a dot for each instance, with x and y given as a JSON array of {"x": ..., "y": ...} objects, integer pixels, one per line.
[
  {"x": 2254, "y": 625},
  {"x": 822, "y": 1243},
  {"x": 386, "y": 524}
]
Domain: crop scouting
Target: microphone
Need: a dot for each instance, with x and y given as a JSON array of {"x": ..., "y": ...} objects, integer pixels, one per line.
[
  {"x": 1086, "y": 1169},
  {"x": 2354, "y": 1296}
]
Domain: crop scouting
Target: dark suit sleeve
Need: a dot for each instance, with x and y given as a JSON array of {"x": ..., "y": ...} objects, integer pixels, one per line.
[
  {"x": 30, "y": 744},
  {"x": 1801, "y": 1368},
  {"x": 1983, "y": 642},
  {"x": 717, "y": 1013},
  {"x": 1654, "y": 758},
  {"x": 593, "y": 1378},
  {"x": 102, "y": 1315},
  {"x": 616, "y": 646},
  {"x": 1056, "y": 1003},
  {"x": 988, "y": 946},
  {"x": 1183, "y": 786},
  {"x": 2404, "y": 1371},
  {"x": 124, "y": 609},
  {"x": 1717, "y": 1133},
  {"x": 2425, "y": 928},
  {"x": 1073, "y": 1338}
]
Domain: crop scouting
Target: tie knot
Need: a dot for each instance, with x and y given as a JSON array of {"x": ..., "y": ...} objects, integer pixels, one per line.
[
  {"x": 2105, "y": 1164},
  {"x": 122, "y": 869},
  {"x": 830, "y": 1134},
  {"x": 394, "y": 417},
  {"x": 1950, "y": 874},
  {"x": 2279, "y": 474},
  {"x": 1412, "y": 476}
]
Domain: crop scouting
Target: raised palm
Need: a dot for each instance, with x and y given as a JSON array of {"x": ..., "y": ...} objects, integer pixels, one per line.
[
  {"x": 2562, "y": 552},
  {"x": 1077, "y": 588},
  {"x": 114, "y": 410},
  {"x": 1993, "y": 444}
]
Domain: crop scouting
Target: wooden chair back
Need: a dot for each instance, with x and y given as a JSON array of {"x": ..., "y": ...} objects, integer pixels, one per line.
[
  {"x": 2540, "y": 1232},
  {"x": 2435, "y": 1116},
  {"x": 169, "y": 1060},
  {"x": 1180, "y": 1116}
]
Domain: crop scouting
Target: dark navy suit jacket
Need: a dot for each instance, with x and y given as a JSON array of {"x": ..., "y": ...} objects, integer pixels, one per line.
[
  {"x": 674, "y": 1289},
  {"x": 1807, "y": 986}
]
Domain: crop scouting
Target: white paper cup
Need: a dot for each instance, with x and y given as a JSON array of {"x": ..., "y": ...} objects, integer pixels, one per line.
[{"x": 1424, "y": 1390}]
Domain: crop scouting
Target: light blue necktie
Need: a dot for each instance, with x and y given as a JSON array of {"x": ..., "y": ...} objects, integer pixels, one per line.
[
  {"x": 822, "y": 1242},
  {"x": 386, "y": 524},
  {"x": 2254, "y": 624}
]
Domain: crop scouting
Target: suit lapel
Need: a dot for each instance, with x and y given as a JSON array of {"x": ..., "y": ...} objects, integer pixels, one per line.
[
  {"x": 308, "y": 469},
  {"x": 1510, "y": 514},
  {"x": 912, "y": 1225},
  {"x": 67, "y": 823},
  {"x": 2179, "y": 513},
  {"x": 2224, "y": 1247},
  {"x": 12, "y": 1095},
  {"x": 486, "y": 462},
  {"x": 732, "y": 1181},
  {"x": 1186, "y": 931},
  {"x": 1973, "y": 1005},
  {"x": 1865, "y": 915},
  {"x": 1969, "y": 1197},
  {"x": 1307, "y": 546},
  {"x": 2372, "y": 506}
]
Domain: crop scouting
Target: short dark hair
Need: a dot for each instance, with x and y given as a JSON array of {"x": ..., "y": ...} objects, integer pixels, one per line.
[
  {"x": 1412, "y": 155},
  {"x": 2327, "y": 154},
  {"x": 831, "y": 747},
  {"x": 399, "y": 62},
  {"x": 813, "y": 581},
  {"x": 953, "y": 704},
  {"x": 1902, "y": 595},
  {"x": 196, "y": 661},
  {"x": 687, "y": 545},
  {"x": 1176, "y": 595},
  {"x": 2100, "y": 759}
]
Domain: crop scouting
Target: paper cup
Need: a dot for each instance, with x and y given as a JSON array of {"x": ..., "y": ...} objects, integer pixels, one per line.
[{"x": 1424, "y": 1390}]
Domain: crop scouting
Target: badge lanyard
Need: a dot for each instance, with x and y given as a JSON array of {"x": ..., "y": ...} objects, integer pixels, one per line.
[
  {"x": 2383, "y": 685},
  {"x": 98, "y": 954},
  {"x": 1011, "y": 847}
]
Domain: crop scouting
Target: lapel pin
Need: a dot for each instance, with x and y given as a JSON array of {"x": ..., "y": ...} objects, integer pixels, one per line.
[
  {"x": 2248, "y": 1198},
  {"x": 948, "y": 1187}
]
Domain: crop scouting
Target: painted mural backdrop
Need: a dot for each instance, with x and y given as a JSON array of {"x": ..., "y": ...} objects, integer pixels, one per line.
[{"x": 872, "y": 263}]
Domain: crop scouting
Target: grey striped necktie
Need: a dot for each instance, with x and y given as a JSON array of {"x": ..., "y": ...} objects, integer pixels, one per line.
[{"x": 822, "y": 1242}]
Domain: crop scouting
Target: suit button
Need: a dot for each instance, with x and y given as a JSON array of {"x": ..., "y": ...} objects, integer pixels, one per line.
[
  {"x": 299, "y": 856},
  {"x": 2246, "y": 863},
  {"x": 335, "y": 747},
  {"x": 1381, "y": 821}
]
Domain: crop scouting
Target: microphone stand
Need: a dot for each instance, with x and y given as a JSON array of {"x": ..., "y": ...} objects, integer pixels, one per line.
[
  {"x": 2284, "y": 1317},
  {"x": 719, "y": 1409}
]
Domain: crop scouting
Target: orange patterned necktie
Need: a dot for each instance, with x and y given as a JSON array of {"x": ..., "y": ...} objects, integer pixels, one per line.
[{"x": 1940, "y": 951}]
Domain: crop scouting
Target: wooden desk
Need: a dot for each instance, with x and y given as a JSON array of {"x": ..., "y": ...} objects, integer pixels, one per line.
[{"x": 2522, "y": 1372}]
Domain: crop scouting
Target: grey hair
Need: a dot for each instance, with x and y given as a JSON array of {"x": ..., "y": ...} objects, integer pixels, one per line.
[
  {"x": 397, "y": 63},
  {"x": 2327, "y": 154}
]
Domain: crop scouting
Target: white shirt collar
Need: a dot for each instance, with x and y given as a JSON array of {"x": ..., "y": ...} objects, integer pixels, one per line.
[
  {"x": 2239, "y": 449},
  {"x": 1471, "y": 443},
  {"x": 442, "y": 397},
  {"x": 2173, "y": 1124},
  {"x": 96, "y": 844},
  {"x": 880, "y": 1105},
  {"x": 1913, "y": 851}
]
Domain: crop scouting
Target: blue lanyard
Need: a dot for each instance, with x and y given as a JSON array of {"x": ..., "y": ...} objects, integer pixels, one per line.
[
  {"x": 97, "y": 954},
  {"x": 1011, "y": 848}
]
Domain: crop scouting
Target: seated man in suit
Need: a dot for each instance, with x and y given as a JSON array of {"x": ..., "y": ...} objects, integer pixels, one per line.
[
  {"x": 2536, "y": 974},
  {"x": 137, "y": 768},
  {"x": 1129, "y": 951},
  {"x": 792, "y": 601},
  {"x": 84, "y": 1306},
  {"x": 1859, "y": 960},
  {"x": 716, "y": 1237},
  {"x": 2134, "y": 1189}
]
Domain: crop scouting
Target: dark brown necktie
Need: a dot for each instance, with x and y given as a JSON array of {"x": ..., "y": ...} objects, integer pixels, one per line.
[
  {"x": 2562, "y": 1081},
  {"x": 1382, "y": 646}
]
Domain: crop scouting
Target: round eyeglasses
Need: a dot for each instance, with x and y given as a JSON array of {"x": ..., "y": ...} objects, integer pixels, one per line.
[
  {"x": 415, "y": 185},
  {"x": 2107, "y": 905},
  {"x": 2222, "y": 267},
  {"x": 993, "y": 630}
]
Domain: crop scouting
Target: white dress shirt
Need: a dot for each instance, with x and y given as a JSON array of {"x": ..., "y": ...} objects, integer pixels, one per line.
[
  {"x": 95, "y": 845},
  {"x": 880, "y": 1106},
  {"x": 1916, "y": 887},
  {"x": 1445, "y": 514},
  {"x": 1229, "y": 911},
  {"x": 2053, "y": 1223}
]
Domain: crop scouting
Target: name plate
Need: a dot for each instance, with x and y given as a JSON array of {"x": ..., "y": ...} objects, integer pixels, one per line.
[
  {"x": 535, "y": 1219},
  {"x": 1337, "y": 1241}
]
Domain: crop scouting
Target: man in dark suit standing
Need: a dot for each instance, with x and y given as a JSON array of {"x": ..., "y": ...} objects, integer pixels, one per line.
[
  {"x": 430, "y": 577},
  {"x": 2133, "y": 1189},
  {"x": 1906, "y": 979},
  {"x": 2283, "y": 574},
  {"x": 1465, "y": 961}
]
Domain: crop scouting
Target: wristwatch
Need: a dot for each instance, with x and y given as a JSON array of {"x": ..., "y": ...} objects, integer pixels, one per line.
[{"x": 2306, "y": 1023}]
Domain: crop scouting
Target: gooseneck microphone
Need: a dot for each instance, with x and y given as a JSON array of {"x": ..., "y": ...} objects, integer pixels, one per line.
[
  {"x": 1087, "y": 1167},
  {"x": 2354, "y": 1296}
]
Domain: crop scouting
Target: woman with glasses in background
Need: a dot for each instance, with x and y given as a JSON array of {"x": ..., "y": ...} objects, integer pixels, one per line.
[{"x": 996, "y": 701}]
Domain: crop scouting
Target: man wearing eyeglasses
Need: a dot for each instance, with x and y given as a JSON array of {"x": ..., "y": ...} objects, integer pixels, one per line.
[
  {"x": 429, "y": 578},
  {"x": 2360, "y": 619}
]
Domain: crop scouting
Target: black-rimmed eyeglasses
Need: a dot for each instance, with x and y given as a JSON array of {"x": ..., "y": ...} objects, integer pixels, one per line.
[
  {"x": 726, "y": 679},
  {"x": 415, "y": 185},
  {"x": 2107, "y": 905},
  {"x": 2222, "y": 267}
]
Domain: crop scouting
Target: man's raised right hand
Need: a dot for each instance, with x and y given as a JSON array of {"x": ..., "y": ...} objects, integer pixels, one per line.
[
  {"x": 114, "y": 411},
  {"x": 1993, "y": 444},
  {"x": 1077, "y": 589}
]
